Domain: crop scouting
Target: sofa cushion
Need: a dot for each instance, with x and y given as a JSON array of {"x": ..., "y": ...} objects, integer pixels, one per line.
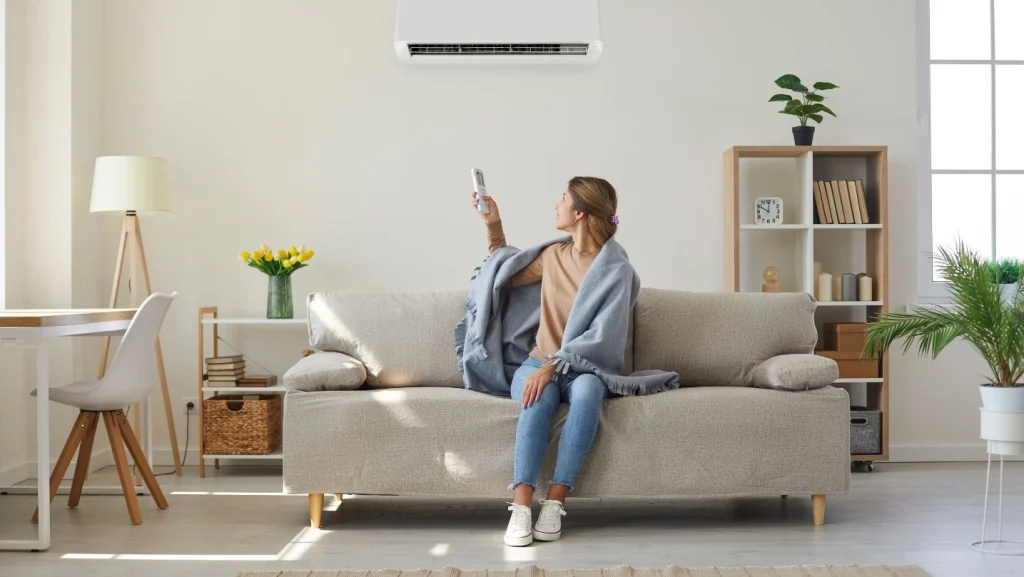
[
  {"x": 325, "y": 371},
  {"x": 698, "y": 441},
  {"x": 718, "y": 338},
  {"x": 403, "y": 339},
  {"x": 795, "y": 372}
]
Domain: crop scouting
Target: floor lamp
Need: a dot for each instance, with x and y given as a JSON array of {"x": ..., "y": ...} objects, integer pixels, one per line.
[{"x": 130, "y": 185}]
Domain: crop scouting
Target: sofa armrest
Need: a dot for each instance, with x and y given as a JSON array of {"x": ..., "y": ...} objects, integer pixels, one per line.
[
  {"x": 325, "y": 371},
  {"x": 798, "y": 372}
]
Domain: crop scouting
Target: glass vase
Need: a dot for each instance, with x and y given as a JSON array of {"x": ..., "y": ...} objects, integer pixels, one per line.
[{"x": 279, "y": 297}]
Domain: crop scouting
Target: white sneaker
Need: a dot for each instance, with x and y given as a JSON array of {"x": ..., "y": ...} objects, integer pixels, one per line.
[
  {"x": 549, "y": 521},
  {"x": 518, "y": 533}
]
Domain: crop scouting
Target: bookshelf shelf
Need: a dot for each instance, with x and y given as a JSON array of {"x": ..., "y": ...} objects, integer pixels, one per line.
[
  {"x": 774, "y": 227},
  {"x": 847, "y": 227},
  {"x": 795, "y": 174}
]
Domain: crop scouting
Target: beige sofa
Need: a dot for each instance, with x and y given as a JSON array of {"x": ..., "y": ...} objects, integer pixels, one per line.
[{"x": 380, "y": 408}]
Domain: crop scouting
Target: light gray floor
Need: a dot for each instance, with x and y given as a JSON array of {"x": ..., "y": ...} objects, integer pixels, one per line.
[{"x": 236, "y": 520}]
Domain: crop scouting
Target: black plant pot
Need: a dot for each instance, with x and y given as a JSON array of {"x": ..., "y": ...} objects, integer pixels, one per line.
[{"x": 803, "y": 135}]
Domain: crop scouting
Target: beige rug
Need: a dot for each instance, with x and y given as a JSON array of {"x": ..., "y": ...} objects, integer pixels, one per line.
[{"x": 670, "y": 571}]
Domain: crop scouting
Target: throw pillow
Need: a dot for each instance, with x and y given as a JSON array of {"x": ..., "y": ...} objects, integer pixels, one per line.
[
  {"x": 326, "y": 371},
  {"x": 798, "y": 372}
]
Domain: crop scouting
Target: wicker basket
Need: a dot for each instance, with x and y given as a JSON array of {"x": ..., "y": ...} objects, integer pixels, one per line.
[{"x": 232, "y": 426}]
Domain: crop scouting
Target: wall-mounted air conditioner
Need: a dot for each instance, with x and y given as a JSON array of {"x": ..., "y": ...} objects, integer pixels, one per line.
[{"x": 511, "y": 31}]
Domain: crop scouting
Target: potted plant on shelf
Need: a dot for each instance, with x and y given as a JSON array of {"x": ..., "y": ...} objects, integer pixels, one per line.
[
  {"x": 991, "y": 323},
  {"x": 806, "y": 106},
  {"x": 278, "y": 266}
]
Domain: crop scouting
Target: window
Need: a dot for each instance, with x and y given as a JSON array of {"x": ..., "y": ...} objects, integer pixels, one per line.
[{"x": 972, "y": 148}]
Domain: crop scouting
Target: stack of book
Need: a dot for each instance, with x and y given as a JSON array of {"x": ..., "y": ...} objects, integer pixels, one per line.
[
  {"x": 840, "y": 202},
  {"x": 225, "y": 371}
]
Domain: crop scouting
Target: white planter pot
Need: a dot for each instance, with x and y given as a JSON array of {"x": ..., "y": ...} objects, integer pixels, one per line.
[
  {"x": 1004, "y": 399},
  {"x": 1002, "y": 419}
]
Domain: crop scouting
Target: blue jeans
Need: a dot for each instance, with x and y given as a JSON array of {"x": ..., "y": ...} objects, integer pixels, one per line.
[{"x": 585, "y": 394}]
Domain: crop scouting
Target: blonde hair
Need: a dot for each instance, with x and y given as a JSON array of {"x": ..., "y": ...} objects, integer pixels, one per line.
[{"x": 596, "y": 198}]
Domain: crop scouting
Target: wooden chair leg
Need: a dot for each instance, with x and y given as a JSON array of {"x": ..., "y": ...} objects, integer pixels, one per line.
[
  {"x": 70, "y": 446},
  {"x": 316, "y": 509},
  {"x": 140, "y": 459},
  {"x": 121, "y": 462},
  {"x": 818, "y": 505},
  {"x": 84, "y": 457}
]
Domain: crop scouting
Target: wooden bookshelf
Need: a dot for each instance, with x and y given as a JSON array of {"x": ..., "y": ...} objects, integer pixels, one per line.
[{"x": 789, "y": 172}]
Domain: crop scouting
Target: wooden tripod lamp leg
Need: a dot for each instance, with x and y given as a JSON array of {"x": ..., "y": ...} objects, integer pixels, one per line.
[
  {"x": 131, "y": 241},
  {"x": 161, "y": 372}
]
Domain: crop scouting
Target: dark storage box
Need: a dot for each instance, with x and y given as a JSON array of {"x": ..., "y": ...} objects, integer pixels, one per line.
[{"x": 865, "y": 431}]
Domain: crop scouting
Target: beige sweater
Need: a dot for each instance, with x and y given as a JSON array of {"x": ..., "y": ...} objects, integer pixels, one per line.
[{"x": 559, "y": 269}]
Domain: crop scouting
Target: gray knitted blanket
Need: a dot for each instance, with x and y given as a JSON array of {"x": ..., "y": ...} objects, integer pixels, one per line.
[{"x": 500, "y": 326}]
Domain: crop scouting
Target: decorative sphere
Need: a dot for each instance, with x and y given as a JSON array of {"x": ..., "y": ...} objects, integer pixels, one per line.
[{"x": 771, "y": 275}]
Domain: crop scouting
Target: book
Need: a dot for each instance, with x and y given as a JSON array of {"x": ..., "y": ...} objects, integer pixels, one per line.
[
  {"x": 222, "y": 360},
  {"x": 863, "y": 202},
  {"x": 818, "y": 205},
  {"x": 257, "y": 381},
  {"x": 231, "y": 373},
  {"x": 225, "y": 366},
  {"x": 848, "y": 207},
  {"x": 852, "y": 187},
  {"x": 838, "y": 195},
  {"x": 832, "y": 203}
]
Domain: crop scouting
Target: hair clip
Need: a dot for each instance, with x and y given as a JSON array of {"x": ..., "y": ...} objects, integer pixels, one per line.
[{"x": 614, "y": 219}]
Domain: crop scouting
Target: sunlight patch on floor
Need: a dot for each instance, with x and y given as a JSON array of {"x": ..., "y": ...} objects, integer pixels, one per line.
[
  {"x": 293, "y": 551},
  {"x": 439, "y": 550}
]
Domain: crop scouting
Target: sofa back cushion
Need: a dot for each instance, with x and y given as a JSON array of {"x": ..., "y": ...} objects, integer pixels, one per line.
[
  {"x": 718, "y": 338},
  {"x": 404, "y": 339}
]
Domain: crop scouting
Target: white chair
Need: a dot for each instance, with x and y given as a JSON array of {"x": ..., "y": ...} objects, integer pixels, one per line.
[{"x": 129, "y": 380}]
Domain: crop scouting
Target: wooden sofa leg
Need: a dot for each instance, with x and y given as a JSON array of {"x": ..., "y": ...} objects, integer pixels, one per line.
[
  {"x": 818, "y": 505},
  {"x": 316, "y": 509}
]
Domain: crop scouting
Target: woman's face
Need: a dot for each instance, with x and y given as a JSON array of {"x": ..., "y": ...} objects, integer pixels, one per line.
[{"x": 565, "y": 215}]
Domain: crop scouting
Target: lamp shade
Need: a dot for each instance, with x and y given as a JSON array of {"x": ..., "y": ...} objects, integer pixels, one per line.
[{"x": 130, "y": 183}]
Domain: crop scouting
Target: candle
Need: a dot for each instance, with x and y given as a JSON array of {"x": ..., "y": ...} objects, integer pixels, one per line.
[
  {"x": 837, "y": 287},
  {"x": 864, "y": 288},
  {"x": 824, "y": 287},
  {"x": 849, "y": 282},
  {"x": 817, "y": 273}
]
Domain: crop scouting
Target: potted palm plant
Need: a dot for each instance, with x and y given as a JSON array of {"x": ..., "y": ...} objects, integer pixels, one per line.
[{"x": 986, "y": 318}]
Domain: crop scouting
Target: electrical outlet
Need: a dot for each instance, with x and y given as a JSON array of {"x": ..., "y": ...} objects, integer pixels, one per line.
[{"x": 184, "y": 405}]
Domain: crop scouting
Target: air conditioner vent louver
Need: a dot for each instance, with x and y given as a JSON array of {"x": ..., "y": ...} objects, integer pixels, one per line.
[{"x": 498, "y": 49}]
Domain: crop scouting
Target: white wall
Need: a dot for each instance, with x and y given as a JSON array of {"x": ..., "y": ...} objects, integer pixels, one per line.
[{"x": 294, "y": 122}]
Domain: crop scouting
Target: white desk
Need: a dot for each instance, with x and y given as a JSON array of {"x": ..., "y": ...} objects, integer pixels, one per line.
[{"x": 33, "y": 329}]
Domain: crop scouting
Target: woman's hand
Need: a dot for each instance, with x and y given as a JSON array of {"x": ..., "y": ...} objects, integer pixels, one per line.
[
  {"x": 535, "y": 384},
  {"x": 492, "y": 216}
]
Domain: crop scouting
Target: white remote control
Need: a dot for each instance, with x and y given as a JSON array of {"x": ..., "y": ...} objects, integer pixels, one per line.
[{"x": 481, "y": 190}]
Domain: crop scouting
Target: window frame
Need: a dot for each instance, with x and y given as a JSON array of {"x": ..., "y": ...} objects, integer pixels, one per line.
[{"x": 930, "y": 290}]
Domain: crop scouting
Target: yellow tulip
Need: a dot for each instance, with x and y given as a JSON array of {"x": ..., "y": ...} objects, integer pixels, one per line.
[
  {"x": 293, "y": 251},
  {"x": 306, "y": 255},
  {"x": 281, "y": 255},
  {"x": 287, "y": 263},
  {"x": 244, "y": 256},
  {"x": 258, "y": 254},
  {"x": 267, "y": 256},
  {"x": 264, "y": 248}
]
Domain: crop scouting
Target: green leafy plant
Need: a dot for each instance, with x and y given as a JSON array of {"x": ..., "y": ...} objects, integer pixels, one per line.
[
  {"x": 1004, "y": 271},
  {"x": 808, "y": 103},
  {"x": 979, "y": 314}
]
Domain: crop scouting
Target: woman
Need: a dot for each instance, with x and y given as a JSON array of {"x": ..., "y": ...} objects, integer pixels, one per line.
[{"x": 587, "y": 210}]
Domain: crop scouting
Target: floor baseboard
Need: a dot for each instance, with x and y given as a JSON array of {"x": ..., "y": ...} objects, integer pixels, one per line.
[
  {"x": 18, "y": 473},
  {"x": 941, "y": 453}
]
